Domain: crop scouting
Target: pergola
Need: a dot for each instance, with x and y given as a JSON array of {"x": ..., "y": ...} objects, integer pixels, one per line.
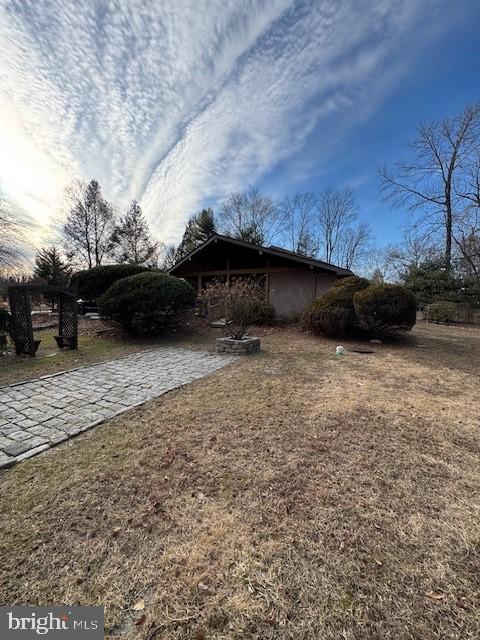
[{"x": 22, "y": 330}]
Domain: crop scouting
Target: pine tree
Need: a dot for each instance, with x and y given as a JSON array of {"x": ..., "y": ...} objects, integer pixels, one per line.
[
  {"x": 50, "y": 266},
  {"x": 204, "y": 227},
  {"x": 199, "y": 228},
  {"x": 132, "y": 239}
]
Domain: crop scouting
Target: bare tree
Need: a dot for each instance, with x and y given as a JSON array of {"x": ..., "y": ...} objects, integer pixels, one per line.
[
  {"x": 354, "y": 245},
  {"x": 343, "y": 239},
  {"x": 89, "y": 226},
  {"x": 428, "y": 184},
  {"x": 251, "y": 216},
  {"x": 168, "y": 257},
  {"x": 336, "y": 213},
  {"x": 414, "y": 250},
  {"x": 299, "y": 212},
  {"x": 469, "y": 190},
  {"x": 466, "y": 231},
  {"x": 466, "y": 236},
  {"x": 12, "y": 237}
]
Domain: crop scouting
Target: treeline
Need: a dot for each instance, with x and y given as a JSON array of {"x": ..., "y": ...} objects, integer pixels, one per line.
[
  {"x": 438, "y": 188},
  {"x": 325, "y": 225},
  {"x": 93, "y": 233}
]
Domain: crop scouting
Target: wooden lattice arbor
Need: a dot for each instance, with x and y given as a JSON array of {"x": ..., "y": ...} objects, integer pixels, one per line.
[{"x": 22, "y": 330}]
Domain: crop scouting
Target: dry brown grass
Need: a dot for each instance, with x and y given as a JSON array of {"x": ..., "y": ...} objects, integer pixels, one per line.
[{"x": 291, "y": 495}]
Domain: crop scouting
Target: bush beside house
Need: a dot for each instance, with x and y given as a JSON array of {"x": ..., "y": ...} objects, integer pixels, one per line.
[
  {"x": 385, "y": 308},
  {"x": 354, "y": 306},
  {"x": 241, "y": 297},
  {"x": 92, "y": 283},
  {"x": 148, "y": 302},
  {"x": 333, "y": 314}
]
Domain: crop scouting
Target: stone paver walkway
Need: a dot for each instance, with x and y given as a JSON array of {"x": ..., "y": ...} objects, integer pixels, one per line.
[{"x": 38, "y": 414}]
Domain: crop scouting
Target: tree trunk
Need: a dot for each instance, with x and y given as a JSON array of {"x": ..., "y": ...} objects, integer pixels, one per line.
[{"x": 448, "y": 240}]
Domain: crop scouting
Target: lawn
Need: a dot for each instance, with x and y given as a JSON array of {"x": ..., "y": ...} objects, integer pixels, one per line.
[{"x": 294, "y": 494}]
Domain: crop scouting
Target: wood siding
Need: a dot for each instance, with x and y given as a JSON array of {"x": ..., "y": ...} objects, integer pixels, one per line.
[{"x": 291, "y": 291}]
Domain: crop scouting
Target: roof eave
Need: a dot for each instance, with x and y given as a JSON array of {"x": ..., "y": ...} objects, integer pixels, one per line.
[{"x": 278, "y": 253}]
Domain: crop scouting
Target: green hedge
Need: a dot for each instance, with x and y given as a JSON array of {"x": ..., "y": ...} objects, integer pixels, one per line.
[
  {"x": 385, "y": 308},
  {"x": 147, "y": 302},
  {"x": 444, "y": 311},
  {"x": 333, "y": 314},
  {"x": 92, "y": 283},
  {"x": 355, "y": 306}
]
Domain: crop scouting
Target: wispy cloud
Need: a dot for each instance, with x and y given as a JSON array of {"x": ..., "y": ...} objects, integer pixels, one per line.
[{"x": 179, "y": 102}]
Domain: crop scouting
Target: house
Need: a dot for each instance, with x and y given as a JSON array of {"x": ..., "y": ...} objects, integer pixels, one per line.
[{"x": 291, "y": 280}]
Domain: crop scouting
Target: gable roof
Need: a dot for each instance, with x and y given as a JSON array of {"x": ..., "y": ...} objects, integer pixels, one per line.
[{"x": 271, "y": 250}]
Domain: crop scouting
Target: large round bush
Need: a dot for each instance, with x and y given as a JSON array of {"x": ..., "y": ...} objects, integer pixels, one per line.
[
  {"x": 333, "y": 314},
  {"x": 92, "y": 283},
  {"x": 147, "y": 302},
  {"x": 385, "y": 308}
]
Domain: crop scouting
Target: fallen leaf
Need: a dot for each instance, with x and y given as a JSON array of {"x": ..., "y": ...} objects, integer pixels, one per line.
[
  {"x": 139, "y": 606},
  {"x": 435, "y": 595},
  {"x": 141, "y": 620}
]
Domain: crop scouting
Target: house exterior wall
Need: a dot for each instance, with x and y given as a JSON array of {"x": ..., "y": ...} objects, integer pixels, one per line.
[
  {"x": 290, "y": 291},
  {"x": 290, "y": 282}
]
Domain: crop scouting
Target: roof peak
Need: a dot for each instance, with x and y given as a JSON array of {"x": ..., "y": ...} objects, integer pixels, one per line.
[{"x": 272, "y": 249}]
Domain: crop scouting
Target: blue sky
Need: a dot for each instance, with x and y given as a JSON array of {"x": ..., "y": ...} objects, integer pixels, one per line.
[{"x": 177, "y": 103}]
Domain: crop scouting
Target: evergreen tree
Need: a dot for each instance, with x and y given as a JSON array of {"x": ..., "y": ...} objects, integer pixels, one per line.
[
  {"x": 132, "y": 240},
  {"x": 204, "y": 227},
  {"x": 199, "y": 228},
  {"x": 50, "y": 266},
  {"x": 430, "y": 282}
]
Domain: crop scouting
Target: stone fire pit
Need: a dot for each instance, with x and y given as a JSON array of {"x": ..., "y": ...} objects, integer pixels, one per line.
[{"x": 244, "y": 346}]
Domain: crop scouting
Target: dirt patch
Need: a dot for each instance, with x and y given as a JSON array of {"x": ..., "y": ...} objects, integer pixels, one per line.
[{"x": 292, "y": 495}]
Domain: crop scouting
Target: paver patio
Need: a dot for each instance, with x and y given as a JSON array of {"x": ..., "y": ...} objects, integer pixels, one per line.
[{"x": 39, "y": 414}]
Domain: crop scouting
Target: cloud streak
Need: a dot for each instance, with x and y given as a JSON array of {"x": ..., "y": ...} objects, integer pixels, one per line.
[{"x": 177, "y": 103}]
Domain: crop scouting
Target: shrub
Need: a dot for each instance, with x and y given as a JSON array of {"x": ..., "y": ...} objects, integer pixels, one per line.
[
  {"x": 263, "y": 313},
  {"x": 92, "y": 283},
  {"x": 5, "y": 329},
  {"x": 385, "y": 308},
  {"x": 333, "y": 314},
  {"x": 244, "y": 303},
  {"x": 147, "y": 302},
  {"x": 443, "y": 311}
]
